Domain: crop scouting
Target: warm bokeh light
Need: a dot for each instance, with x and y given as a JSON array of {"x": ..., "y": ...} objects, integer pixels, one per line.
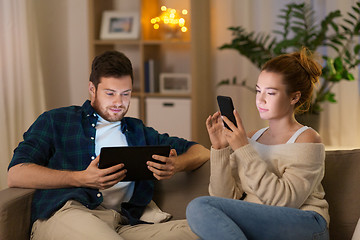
[{"x": 171, "y": 18}]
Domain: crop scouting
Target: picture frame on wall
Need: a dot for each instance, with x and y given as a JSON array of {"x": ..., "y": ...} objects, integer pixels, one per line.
[
  {"x": 119, "y": 25},
  {"x": 175, "y": 83}
]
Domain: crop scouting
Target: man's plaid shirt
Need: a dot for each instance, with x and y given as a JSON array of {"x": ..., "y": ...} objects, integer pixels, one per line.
[{"x": 64, "y": 139}]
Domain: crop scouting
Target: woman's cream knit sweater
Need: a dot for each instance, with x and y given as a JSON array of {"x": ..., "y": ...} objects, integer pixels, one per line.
[{"x": 286, "y": 175}]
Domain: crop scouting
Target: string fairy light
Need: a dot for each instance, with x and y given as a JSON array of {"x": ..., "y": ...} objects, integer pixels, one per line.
[{"x": 171, "y": 18}]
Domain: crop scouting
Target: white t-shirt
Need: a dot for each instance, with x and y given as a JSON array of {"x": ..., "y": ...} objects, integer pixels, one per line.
[{"x": 108, "y": 134}]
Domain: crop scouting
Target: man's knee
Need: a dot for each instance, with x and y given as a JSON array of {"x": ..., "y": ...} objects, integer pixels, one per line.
[
  {"x": 178, "y": 229},
  {"x": 73, "y": 221}
]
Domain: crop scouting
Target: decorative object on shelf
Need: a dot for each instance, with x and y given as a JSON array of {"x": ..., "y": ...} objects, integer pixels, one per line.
[
  {"x": 175, "y": 83},
  {"x": 119, "y": 25},
  {"x": 151, "y": 76},
  {"x": 300, "y": 29},
  {"x": 171, "y": 21}
]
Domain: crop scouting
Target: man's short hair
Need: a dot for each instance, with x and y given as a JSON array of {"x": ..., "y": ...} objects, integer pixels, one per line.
[{"x": 110, "y": 64}]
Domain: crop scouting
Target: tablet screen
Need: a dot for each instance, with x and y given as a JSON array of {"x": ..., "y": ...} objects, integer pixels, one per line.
[{"x": 134, "y": 159}]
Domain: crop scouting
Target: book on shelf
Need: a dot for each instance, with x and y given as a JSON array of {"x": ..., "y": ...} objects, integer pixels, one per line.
[{"x": 151, "y": 75}]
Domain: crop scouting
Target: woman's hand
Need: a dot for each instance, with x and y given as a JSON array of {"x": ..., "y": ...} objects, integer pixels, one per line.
[
  {"x": 215, "y": 128},
  {"x": 236, "y": 137}
]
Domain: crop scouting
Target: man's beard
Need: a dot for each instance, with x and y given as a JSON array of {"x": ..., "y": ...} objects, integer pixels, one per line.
[{"x": 104, "y": 112}]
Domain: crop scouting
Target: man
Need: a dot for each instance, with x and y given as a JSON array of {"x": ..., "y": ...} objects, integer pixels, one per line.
[{"x": 60, "y": 154}]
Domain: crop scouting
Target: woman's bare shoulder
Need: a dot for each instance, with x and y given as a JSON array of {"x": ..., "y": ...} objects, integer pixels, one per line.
[{"x": 309, "y": 136}]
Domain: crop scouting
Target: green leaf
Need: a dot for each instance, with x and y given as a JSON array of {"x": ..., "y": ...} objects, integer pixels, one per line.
[
  {"x": 298, "y": 23},
  {"x": 357, "y": 29},
  {"x": 330, "y": 97},
  {"x": 332, "y": 46},
  {"x": 346, "y": 60},
  {"x": 342, "y": 37},
  {"x": 223, "y": 82},
  {"x": 337, "y": 41},
  {"x": 350, "y": 22},
  {"x": 334, "y": 26},
  {"x": 347, "y": 54},
  {"x": 352, "y": 16},
  {"x": 278, "y": 32},
  {"x": 346, "y": 29},
  {"x": 357, "y": 9},
  {"x": 338, "y": 65},
  {"x": 337, "y": 77},
  {"x": 348, "y": 76},
  {"x": 234, "y": 80},
  {"x": 330, "y": 65}
]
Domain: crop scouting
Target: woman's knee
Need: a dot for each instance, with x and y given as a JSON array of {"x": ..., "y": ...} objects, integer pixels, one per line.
[{"x": 197, "y": 204}]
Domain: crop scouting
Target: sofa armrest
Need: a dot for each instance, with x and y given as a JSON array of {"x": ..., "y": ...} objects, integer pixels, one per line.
[
  {"x": 173, "y": 195},
  {"x": 15, "y": 210}
]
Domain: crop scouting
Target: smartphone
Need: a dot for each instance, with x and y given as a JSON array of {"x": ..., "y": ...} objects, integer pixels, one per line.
[{"x": 226, "y": 107}]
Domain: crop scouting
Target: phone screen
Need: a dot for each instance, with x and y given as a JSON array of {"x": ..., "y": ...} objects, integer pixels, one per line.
[{"x": 226, "y": 107}]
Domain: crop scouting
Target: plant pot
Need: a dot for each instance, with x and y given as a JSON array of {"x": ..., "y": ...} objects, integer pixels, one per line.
[{"x": 310, "y": 120}]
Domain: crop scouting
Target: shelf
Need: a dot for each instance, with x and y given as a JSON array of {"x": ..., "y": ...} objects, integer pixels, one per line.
[
  {"x": 162, "y": 42},
  {"x": 115, "y": 42},
  {"x": 159, "y": 95},
  {"x": 163, "y": 95},
  {"x": 190, "y": 54},
  {"x": 138, "y": 42}
]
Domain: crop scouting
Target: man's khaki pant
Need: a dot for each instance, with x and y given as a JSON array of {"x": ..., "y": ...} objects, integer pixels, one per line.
[{"x": 74, "y": 221}]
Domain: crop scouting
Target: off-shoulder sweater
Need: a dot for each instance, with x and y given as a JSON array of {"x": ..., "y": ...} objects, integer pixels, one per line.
[{"x": 286, "y": 175}]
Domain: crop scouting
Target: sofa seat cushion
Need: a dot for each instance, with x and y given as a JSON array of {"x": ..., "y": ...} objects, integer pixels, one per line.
[{"x": 342, "y": 176}]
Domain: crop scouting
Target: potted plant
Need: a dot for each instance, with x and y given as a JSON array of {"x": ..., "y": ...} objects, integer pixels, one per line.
[{"x": 299, "y": 28}]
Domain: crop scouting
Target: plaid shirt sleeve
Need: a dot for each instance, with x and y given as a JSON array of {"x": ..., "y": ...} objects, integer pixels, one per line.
[
  {"x": 37, "y": 145},
  {"x": 60, "y": 139}
]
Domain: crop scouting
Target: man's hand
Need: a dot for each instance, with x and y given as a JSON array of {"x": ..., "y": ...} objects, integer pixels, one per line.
[
  {"x": 164, "y": 171},
  {"x": 93, "y": 177}
]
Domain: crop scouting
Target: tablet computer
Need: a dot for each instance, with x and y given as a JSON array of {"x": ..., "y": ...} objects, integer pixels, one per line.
[{"x": 134, "y": 159}]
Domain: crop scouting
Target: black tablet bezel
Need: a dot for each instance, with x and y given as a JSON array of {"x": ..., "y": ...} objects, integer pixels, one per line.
[{"x": 134, "y": 159}]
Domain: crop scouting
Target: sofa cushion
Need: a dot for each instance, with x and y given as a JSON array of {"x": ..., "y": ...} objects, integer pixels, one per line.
[
  {"x": 15, "y": 205},
  {"x": 154, "y": 214},
  {"x": 342, "y": 176},
  {"x": 173, "y": 195}
]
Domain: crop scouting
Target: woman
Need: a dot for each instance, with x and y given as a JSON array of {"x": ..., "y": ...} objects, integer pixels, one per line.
[{"x": 267, "y": 184}]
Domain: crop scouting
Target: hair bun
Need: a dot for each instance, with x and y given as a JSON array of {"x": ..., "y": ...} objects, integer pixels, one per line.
[{"x": 310, "y": 65}]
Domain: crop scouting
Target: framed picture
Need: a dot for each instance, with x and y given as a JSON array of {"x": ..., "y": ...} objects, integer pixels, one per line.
[
  {"x": 119, "y": 25},
  {"x": 175, "y": 83}
]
